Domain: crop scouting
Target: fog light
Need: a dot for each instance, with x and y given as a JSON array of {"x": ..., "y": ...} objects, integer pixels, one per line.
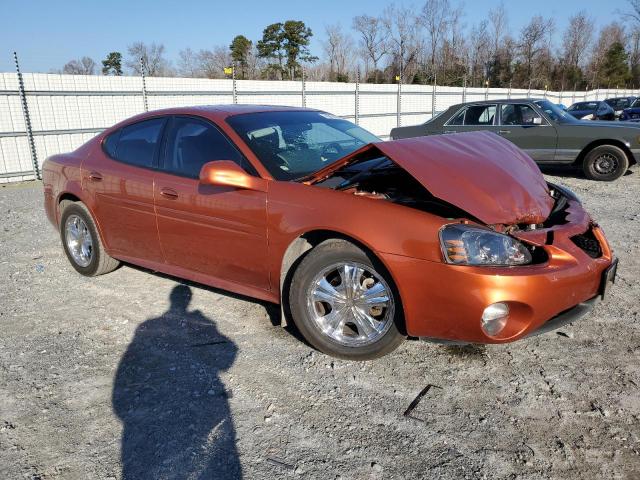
[{"x": 494, "y": 318}]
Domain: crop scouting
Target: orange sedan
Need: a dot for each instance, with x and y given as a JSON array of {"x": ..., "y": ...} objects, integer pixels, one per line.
[{"x": 454, "y": 238}]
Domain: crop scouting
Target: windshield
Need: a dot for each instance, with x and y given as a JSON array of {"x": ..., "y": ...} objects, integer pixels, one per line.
[
  {"x": 293, "y": 144},
  {"x": 636, "y": 103},
  {"x": 619, "y": 103},
  {"x": 584, "y": 106},
  {"x": 553, "y": 111}
]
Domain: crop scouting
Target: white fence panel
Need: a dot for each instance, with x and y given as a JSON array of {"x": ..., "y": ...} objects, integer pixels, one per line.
[{"x": 67, "y": 110}]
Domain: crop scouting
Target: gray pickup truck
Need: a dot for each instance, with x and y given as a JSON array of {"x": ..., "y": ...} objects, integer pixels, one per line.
[{"x": 604, "y": 150}]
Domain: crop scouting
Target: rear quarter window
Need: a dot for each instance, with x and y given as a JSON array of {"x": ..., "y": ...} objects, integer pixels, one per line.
[{"x": 110, "y": 143}]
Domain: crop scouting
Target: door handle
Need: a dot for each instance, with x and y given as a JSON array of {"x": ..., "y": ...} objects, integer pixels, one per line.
[
  {"x": 169, "y": 193},
  {"x": 504, "y": 132},
  {"x": 449, "y": 131},
  {"x": 95, "y": 177}
]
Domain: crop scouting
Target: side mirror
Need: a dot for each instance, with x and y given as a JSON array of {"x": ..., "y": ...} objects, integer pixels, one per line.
[
  {"x": 226, "y": 173},
  {"x": 537, "y": 121}
]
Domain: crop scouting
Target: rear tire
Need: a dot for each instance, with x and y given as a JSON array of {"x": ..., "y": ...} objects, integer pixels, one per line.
[
  {"x": 81, "y": 241},
  {"x": 344, "y": 302},
  {"x": 605, "y": 163}
]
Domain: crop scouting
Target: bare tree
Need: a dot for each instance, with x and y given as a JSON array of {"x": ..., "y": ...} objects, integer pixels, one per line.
[
  {"x": 452, "y": 58},
  {"x": 83, "y": 66},
  {"x": 188, "y": 64},
  {"x": 435, "y": 18},
  {"x": 534, "y": 41},
  {"x": 213, "y": 62},
  {"x": 499, "y": 22},
  {"x": 577, "y": 38},
  {"x": 480, "y": 51},
  {"x": 402, "y": 30},
  {"x": 373, "y": 41},
  {"x": 155, "y": 63},
  {"x": 338, "y": 51},
  {"x": 255, "y": 64}
]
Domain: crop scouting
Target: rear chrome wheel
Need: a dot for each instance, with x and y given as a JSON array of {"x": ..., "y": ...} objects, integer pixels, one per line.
[
  {"x": 351, "y": 303},
  {"x": 81, "y": 241},
  {"x": 344, "y": 303}
]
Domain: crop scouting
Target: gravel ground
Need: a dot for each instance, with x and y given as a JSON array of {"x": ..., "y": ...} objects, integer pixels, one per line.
[{"x": 126, "y": 376}]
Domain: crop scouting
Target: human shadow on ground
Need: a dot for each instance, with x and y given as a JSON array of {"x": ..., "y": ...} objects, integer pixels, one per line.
[{"x": 169, "y": 397}]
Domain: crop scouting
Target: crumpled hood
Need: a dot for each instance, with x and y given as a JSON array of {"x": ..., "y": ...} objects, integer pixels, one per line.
[{"x": 478, "y": 172}]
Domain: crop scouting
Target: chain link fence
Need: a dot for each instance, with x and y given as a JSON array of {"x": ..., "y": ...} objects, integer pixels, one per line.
[{"x": 45, "y": 114}]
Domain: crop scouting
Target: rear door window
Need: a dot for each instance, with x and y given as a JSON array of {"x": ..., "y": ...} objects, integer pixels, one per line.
[
  {"x": 480, "y": 115},
  {"x": 136, "y": 144}
]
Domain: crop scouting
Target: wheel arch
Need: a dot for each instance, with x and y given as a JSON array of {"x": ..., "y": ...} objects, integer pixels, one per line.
[
  {"x": 600, "y": 142},
  {"x": 73, "y": 197},
  {"x": 302, "y": 244}
]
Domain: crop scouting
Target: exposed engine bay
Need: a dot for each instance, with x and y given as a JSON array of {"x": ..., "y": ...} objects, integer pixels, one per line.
[{"x": 380, "y": 178}]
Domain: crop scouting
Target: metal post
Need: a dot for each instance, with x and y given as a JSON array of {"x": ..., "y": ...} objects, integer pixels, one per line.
[
  {"x": 464, "y": 89},
  {"x": 27, "y": 120},
  {"x": 233, "y": 79},
  {"x": 573, "y": 94},
  {"x": 509, "y": 91},
  {"x": 529, "y": 91},
  {"x": 399, "y": 99},
  {"x": 304, "y": 90},
  {"x": 433, "y": 94},
  {"x": 144, "y": 86},
  {"x": 486, "y": 89},
  {"x": 357, "y": 99}
]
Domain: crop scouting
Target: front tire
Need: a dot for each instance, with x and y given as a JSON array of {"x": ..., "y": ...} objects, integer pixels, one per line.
[
  {"x": 81, "y": 242},
  {"x": 344, "y": 302},
  {"x": 605, "y": 163}
]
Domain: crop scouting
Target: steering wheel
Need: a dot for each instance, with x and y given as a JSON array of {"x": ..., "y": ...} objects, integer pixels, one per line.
[{"x": 332, "y": 148}]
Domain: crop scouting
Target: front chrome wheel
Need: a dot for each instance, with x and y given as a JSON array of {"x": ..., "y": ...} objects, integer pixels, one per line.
[
  {"x": 79, "y": 241},
  {"x": 351, "y": 304}
]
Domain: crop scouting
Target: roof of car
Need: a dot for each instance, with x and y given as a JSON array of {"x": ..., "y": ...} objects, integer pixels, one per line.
[
  {"x": 213, "y": 112},
  {"x": 498, "y": 100}
]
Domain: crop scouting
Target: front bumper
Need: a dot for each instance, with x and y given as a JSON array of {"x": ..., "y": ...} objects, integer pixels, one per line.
[{"x": 445, "y": 302}]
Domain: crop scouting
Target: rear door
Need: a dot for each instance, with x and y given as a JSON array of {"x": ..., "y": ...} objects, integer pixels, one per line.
[
  {"x": 119, "y": 180},
  {"x": 216, "y": 231},
  {"x": 473, "y": 117},
  {"x": 528, "y": 129}
]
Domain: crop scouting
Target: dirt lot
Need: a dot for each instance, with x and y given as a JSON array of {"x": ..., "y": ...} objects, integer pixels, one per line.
[{"x": 125, "y": 376}]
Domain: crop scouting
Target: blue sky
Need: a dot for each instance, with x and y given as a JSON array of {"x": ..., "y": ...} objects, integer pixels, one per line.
[{"x": 46, "y": 34}]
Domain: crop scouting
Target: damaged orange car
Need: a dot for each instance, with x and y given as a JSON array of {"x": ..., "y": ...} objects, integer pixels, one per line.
[{"x": 454, "y": 238}]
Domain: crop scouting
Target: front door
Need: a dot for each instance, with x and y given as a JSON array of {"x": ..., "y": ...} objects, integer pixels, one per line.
[
  {"x": 528, "y": 129},
  {"x": 119, "y": 181},
  {"x": 217, "y": 231}
]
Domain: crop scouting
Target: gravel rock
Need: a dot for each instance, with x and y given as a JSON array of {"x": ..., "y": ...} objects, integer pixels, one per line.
[{"x": 87, "y": 387}]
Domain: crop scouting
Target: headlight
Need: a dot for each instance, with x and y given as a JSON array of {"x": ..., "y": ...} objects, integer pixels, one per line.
[
  {"x": 466, "y": 245},
  {"x": 588, "y": 117}
]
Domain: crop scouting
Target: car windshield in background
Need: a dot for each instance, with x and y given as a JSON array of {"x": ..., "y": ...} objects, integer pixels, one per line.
[
  {"x": 294, "y": 144},
  {"x": 553, "y": 111},
  {"x": 581, "y": 106},
  {"x": 618, "y": 103}
]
